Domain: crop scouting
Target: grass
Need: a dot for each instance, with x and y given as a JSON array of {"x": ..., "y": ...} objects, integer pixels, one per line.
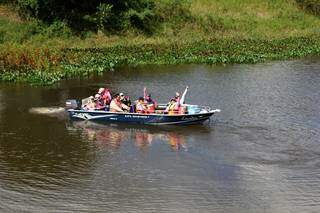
[{"x": 211, "y": 32}]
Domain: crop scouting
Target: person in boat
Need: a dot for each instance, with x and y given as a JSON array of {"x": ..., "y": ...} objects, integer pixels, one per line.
[
  {"x": 141, "y": 106},
  {"x": 99, "y": 102},
  {"x": 147, "y": 97},
  {"x": 117, "y": 106},
  {"x": 91, "y": 105},
  {"x": 182, "y": 108},
  {"x": 105, "y": 95},
  {"x": 177, "y": 104},
  {"x": 172, "y": 107},
  {"x": 125, "y": 99},
  {"x": 181, "y": 100},
  {"x": 150, "y": 103}
]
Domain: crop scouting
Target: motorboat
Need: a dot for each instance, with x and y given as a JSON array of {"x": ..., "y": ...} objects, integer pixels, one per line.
[{"x": 194, "y": 115}]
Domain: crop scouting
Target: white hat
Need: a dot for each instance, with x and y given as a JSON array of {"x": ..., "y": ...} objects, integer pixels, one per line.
[
  {"x": 101, "y": 90},
  {"x": 121, "y": 94}
]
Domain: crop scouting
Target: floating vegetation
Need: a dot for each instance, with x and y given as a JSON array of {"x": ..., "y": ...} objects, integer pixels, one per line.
[{"x": 45, "y": 67}]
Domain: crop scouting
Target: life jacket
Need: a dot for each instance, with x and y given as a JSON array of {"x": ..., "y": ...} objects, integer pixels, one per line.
[
  {"x": 106, "y": 97},
  {"x": 99, "y": 105},
  {"x": 173, "y": 109},
  {"x": 149, "y": 101},
  {"x": 151, "y": 108},
  {"x": 140, "y": 108}
]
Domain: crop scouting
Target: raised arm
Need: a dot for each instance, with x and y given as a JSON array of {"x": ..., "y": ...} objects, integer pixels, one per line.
[
  {"x": 182, "y": 100},
  {"x": 145, "y": 93}
]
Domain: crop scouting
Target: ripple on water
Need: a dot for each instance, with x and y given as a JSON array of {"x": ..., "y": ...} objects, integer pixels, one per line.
[{"x": 260, "y": 154}]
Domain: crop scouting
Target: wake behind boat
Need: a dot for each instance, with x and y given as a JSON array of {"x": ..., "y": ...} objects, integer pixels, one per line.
[{"x": 172, "y": 113}]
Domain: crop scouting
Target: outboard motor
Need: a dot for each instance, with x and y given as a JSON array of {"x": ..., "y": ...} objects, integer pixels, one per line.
[{"x": 73, "y": 104}]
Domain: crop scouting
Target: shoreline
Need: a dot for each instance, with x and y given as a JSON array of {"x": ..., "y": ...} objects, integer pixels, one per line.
[{"x": 45, "y": 66}]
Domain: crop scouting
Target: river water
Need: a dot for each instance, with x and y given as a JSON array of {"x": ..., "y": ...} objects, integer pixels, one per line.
[{"x": 260, "y": 154}]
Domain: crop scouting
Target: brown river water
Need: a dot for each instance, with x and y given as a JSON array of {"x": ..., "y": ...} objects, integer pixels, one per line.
[{"x": 260, "y": 154}]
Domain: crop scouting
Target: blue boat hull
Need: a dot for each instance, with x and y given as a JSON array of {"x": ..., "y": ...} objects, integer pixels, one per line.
[{"x": 150, "y": 119}]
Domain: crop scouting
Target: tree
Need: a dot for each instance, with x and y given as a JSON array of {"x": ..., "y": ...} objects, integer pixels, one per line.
[{"x": 108, "y": 15}]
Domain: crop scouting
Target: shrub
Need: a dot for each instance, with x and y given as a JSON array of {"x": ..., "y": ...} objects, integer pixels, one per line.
[
  {"x": 312, "y": 6},
  {"x": 111, "y": 15},
  {"x": 17, "y": 32},
  {"x": 175, "y": 10},
  {"x": 56, "y": 29}
]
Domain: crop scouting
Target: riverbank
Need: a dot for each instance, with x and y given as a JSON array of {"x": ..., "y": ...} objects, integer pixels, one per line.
[{"x": 209, "y": 32}]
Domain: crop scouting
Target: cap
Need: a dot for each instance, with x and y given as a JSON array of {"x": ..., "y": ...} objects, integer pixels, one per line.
[
  {"x": 101, "y": 90},
  {"x": 121, "y": 94}
]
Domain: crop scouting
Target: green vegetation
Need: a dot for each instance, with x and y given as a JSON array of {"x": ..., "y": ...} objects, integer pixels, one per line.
[
  {"x": 40, "y": 49},
  {"x": 111, "y": 15},
  {"x": 310, "y": 5}
]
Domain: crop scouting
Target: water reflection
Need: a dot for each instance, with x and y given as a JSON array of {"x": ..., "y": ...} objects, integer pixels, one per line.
[
  {"x": 112, "y": 136},
  {"x": 103, "y": 137}
]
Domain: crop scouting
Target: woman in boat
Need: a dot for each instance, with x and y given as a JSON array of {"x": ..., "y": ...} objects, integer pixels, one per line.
[
  {"x": 147, "y": 97},
  {"x": 91, "y": 105},
  {"x": 181, "y": 100},
  {"x": 140, "y": 106},
  {"x": 117, "y": 106},
  {"x": 125, "y": 100},
  {"x": 183, "y": 97},
  {"x": 105, "y": 95},
  {"x": 176, "y": 104},
  {"x": 150, "y": 103},
  {"x": 182, "y": 108},
  {"x": 172, "y": 107},
  {"x": 99, "y": 102}
]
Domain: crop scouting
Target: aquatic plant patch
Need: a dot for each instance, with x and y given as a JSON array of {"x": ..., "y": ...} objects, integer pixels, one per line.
[{"x": 45, "y": 67}]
